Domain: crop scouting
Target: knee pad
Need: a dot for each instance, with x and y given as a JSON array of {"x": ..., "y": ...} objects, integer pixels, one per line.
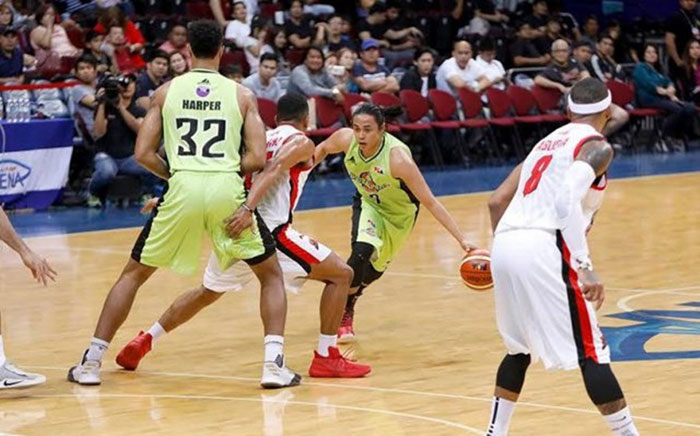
[
  {"x": 359, "y": 261},
  {"x": 511, "y": 372},
  {"x": 371, "y": 275},
  {"x": 601, "y": 383}
]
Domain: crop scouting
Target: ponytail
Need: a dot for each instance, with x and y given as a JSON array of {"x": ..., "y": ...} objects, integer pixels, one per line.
[{"x": 380, "y": 114}]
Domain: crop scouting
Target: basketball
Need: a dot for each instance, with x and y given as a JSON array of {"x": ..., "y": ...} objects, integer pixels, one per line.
[{"x": 476, "y": 270}]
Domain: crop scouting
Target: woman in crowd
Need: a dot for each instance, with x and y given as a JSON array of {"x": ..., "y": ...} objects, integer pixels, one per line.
[
  {"x": 49, "y": 38},
  {"x": 421, "y": 76},
  {"x": 177, "y": 64},
  {"x": 655, "y": 90},
  {"x": 690, "y": 79}
]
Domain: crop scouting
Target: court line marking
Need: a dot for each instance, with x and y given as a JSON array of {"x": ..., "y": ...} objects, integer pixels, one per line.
[
  {"x": 331, "y": 208},
  {"x": 622, "y": 303},
  {"x": 391, "y": 390},
  {"x": 261, "y": 400}
]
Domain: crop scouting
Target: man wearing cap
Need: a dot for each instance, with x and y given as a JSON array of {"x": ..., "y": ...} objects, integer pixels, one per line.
[
  {"x": 461, "y": 70},
  {"x": 369, "y": 75},
  {"x": 11, "y": 58}
]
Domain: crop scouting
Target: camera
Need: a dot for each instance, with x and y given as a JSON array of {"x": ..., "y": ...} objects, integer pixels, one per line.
[{"x": 112, "y": 85}]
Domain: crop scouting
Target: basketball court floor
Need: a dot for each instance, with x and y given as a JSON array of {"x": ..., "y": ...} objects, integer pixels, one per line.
[{"x": 432, "y": 342}]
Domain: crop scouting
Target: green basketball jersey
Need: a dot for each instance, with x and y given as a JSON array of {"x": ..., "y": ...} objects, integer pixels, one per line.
[
  {"x": 202, "y": 123},
  {"x": 375, "y": 184}
]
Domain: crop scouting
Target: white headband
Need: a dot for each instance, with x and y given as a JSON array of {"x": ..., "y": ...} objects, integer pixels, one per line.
[{"x": 590, "y": 108}]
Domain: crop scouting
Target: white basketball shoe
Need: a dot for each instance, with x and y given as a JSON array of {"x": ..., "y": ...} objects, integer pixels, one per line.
[
  {"x": 87, "y": 372},
  {"x": 277, "y": 375},
  {"x": 12, "y": 377}
]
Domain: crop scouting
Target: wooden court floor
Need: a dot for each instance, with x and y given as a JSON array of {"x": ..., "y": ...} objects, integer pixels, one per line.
[{"x": 433, "y": 344}]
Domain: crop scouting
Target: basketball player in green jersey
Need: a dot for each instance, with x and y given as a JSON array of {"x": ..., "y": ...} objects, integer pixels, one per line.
[
  {"x": 390, "y": 188},
  {"x": 12, "y": 377},
  {"x": 200, "y": 115}
]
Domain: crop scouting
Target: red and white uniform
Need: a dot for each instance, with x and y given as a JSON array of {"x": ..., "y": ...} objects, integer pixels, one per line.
[
  {"x": 296, "y": 252},
  {"x": 540, "y": 309}
]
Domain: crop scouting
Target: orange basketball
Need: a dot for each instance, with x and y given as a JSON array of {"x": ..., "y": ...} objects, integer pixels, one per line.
[{"x": 476, "y": 270}]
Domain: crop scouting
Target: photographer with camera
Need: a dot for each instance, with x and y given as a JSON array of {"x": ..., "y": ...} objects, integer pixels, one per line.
[{"x": 117, "y": 121}]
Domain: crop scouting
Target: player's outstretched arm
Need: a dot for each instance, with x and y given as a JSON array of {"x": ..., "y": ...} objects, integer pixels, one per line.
[
  {"x": 501, "y": 197},
  {"x": 150, "y": 133},
  {"x": 40, "y": 268},
  {"x": 253, "y": 132},
  {"x": 299, "y": 150},
  {"x": 338, "y": 142},
  {"x": 593, "y": 160},
  {"x": 404, "y": 168}
]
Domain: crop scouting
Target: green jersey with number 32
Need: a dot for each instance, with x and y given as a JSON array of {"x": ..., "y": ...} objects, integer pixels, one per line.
[{"x": 202, "y": 123}]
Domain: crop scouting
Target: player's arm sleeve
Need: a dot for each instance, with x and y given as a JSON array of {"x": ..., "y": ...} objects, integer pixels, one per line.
[{"x": 572, "y": 222}]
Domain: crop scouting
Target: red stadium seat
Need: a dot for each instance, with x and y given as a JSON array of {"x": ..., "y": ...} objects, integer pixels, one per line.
[
  {"x": 501, "y": 116},
  {"x": 547, "y": 99},
  {"x": 268, "y": 111},
  {"x": 623, "y": 95},
  {"x": 234, "y": 57},
  {"x": 199, "y": 9},
  {"x": 295, "y": 56},
  {"x": 445, "y": 109},
  {"x": 351, "y": 100},
  {"x": 384, "y": 100},
  {"x": 417, "y": 107},
  {"x": 329, "y": 115}
]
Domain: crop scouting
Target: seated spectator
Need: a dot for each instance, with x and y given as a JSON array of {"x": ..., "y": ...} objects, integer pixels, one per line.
[
  {"x": 83, "y": 95},
  {"x": 603, "y": 65},
  {"x": 461, "y": 70},
  {"x": 277, "y": 45},
  {"x": 93, "y": 47},
  {"x": 263, "y": 83},
  {"x": 569, "y": 25},
  {"x": 298, "y": 28},
  {"x": 234, "y": 72},
  {"x": 238, "y": 30},
  {"x": 690, "y": 79},
  {"x": 255, "y": 45},
  {"x": 421, "y": 76},
  {"x": 11, "y": 58},
  {"x": 486, "y": 16},
  {"x": 538, "y": 19},
  {"x": 5, "y": 15},
  {"x": 133, "y": 39},
  {"x": 177, "y": 64},
  {"x": 492, "y": 67},
  {"x": 524, "y": 50},
  {"x": 331, "y": 36},
  {"x": 590, "y": 30},
  {"x": 148, "y": 81},
  {"x": 347, "y": 59},
  {"x": 624, "y": 49},
  {"x": 48, "y": 38},
  {"x": 552, "y": 32},
  {"x": 125, "y": 60},
  {"x": 369, "y": 75},
  {"x": 311, "y": 79},
  {"x": 656, "y": 90},
  {"x": 116, "y": 125},
  {"x": 563, "y": 72},
  {"x": 177, "y": 41},
  {"x": 681, "y": 27},
  {"x": 395, "y": 36},
  {"x": 583, "y": 53},
  {"x": 220, "y": 10}
]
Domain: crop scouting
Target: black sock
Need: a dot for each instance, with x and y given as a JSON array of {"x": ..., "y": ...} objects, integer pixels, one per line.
[{"x": 352, "y": 299}]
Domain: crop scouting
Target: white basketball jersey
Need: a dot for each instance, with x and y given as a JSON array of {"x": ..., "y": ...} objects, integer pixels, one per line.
[
  {"x": 543, "y": 171},
  {"x": 279, "y": 202}
]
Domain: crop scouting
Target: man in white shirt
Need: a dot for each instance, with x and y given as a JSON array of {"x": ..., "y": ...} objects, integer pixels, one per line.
[
  {"x": 461, "y": 71},
  {"x": 238, "y": 30},
  {"x": 492, "y": 67}
]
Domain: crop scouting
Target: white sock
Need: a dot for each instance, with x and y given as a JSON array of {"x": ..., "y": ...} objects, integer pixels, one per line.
[
  {"x": 156, "y": 331},
  {"x": 501, "y": 412},
  {"x": 274, "y": 346},
  {"x": 325, "y": 341},
  {"x": 97, "y": 349},
  {"x": 2, "y": 352},
  {"x": 621, "y": 423}
]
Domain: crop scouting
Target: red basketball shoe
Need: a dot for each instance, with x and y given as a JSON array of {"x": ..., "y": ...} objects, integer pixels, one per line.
[
  {"x": 345, "y": 331},
  {"x": 337, "y": 366},
  {"x": 130, "y": 356}
]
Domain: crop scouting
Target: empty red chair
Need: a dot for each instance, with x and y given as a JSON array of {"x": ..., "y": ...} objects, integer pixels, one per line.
[
  {"x": 547, "y": 99},
  {"x": 417, "y": 107},
  {"x": 445, "y": 109},
  {"x": 200, "y": 9},
  {"x": 295, "y": 56},
  {"x": 501, "y": 116},
  {"x": 328, "y": 117},
  {"x": 384, "y": 100},
  {"x": 472, "y": 107},
  {"x": 352, "y": 100},
  {"x": 234, "y": 57},
  {"x": 524, "y": 103},
  {"x": 268, "y": 112},
  {"x": 623, "y": 95}
]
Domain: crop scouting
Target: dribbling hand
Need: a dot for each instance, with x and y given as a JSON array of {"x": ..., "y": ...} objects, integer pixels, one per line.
[
  {"x": 466, "y": 246},
  {"x": 592, "y": 287},
  {"x": 40, "y": 268}
]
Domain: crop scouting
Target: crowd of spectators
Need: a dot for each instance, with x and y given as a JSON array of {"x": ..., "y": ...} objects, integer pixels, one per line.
[{"x": 333, "y": 48}]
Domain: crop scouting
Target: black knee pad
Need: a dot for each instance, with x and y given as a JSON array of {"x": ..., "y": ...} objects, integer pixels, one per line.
[
  {"x": 601, "y": 383},
  {"x": 371, "y": 275},
  {"x": 511, "y": 372},
  {"x": 359, "y": 261}
]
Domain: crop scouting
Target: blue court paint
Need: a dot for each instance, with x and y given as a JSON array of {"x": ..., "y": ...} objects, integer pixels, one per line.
[
  {"x": 336, "y": 190},
  {"x": 627, "y": 343}
]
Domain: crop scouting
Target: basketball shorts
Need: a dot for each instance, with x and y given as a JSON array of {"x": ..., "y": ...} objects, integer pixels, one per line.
[
  {"x": 386, "y": 236},
  {"x": 540, "y": 309},
  {"x": 195, "y": 204},
  {"x": 296, "y": 253}
]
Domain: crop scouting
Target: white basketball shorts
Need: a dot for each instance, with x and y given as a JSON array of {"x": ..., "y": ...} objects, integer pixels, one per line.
[
  {"x": 296, "y": 253},
  {"x": 540, "y": 309}
]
